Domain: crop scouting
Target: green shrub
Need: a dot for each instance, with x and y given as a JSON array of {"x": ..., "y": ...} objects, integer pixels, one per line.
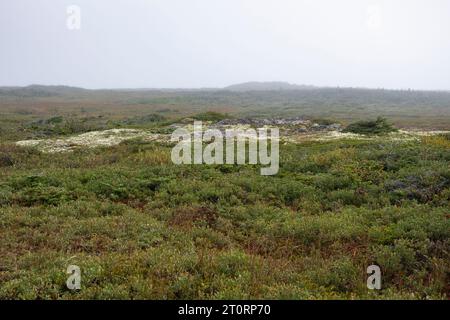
[
  {"x": 378, "y": 126},
  {"x": 211, "y": 116},
  {"x": 342, "y": 275}
]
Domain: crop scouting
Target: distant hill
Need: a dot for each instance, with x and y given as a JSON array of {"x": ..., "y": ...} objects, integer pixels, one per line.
[
  {"x": 266, "y": 86},
  {"x": 41, "y": 91}
]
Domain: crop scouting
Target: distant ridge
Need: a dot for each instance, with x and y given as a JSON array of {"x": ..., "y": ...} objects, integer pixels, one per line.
[
  {"x": 36, "y": 90},
  {"x": 266, "y": 86}
]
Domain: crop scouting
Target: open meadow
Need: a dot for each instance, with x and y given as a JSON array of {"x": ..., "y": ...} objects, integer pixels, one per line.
[{"x": 141, "y": 227}]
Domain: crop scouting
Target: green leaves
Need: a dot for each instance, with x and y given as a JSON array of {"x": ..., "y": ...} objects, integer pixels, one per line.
[{"x": 378, "y": 126}]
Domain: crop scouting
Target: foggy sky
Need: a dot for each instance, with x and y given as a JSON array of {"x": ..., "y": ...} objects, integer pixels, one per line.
[{"x": 215, "y": 43}]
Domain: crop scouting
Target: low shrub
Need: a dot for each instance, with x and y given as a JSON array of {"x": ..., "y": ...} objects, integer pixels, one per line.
[
  {"x": 211, "y": 116},
  {"x": 378, "y": 126}
]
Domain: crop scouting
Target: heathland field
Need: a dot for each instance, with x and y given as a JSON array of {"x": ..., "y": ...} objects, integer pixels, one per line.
[{"x": 141, "y": 227}]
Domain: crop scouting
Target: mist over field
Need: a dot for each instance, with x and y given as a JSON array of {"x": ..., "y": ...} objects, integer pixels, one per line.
[{"x": 212, "y": 43}]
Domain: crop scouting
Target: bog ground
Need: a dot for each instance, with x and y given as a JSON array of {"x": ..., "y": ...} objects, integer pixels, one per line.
[{"x": 141, "y": 227}]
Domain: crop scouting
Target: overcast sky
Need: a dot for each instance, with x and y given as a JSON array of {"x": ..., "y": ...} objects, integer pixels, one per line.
[{"x": 214, "y": 43}]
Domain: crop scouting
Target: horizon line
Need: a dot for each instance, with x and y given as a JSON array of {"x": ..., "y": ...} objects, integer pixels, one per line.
[{"x": 306, "y": 87}]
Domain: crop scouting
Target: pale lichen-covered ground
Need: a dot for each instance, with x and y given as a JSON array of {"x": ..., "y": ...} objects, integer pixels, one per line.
[
  {"x": 93, "y": 139},
  {"x": 402, "y": 135},
  {"x": 107, "y": 138}
]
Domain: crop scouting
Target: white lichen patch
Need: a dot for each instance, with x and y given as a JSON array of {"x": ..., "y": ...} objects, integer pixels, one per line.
[
  {"x": 29, "y": 143},
  {"x": 91, "y": 139},
  {"x": 401, "y": 135},
  {"x": 424, "y": 133},
  {"x": 334, "y": 135},
  {"x": 113, "y": 137}
]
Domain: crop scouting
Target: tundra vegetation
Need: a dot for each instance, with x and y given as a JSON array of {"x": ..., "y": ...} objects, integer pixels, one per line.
[
  {"x": 141, "y": 227},
  {"x": 379, "y": 126}
]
